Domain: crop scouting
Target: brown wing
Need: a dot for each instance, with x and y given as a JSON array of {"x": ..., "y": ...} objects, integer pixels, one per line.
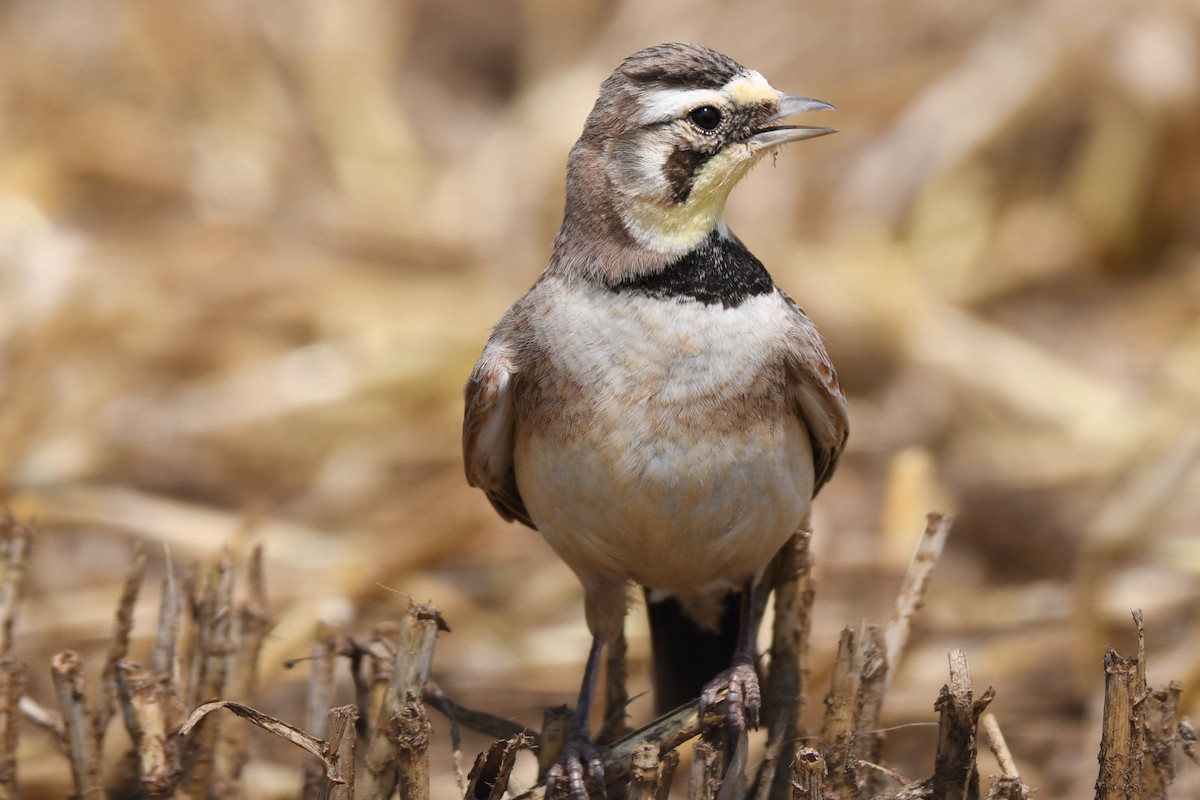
[
  {"x": 488, "y": 425},
  {"x": 816, "y": 394}
]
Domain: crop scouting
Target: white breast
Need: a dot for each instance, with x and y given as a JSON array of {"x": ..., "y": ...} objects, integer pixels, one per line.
[{"x": 667, "y": 483}]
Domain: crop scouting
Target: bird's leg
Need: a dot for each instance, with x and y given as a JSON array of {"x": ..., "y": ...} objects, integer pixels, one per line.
[
  {"x": 743, "y": 698},
  {"x": 578, "y": 748}
]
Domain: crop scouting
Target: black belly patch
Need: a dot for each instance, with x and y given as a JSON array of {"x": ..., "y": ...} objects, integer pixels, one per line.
[{"x": 721, "y": 271}]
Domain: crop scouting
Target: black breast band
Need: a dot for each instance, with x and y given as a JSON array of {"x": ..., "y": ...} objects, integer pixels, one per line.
[{"x": 721, "y": 271}]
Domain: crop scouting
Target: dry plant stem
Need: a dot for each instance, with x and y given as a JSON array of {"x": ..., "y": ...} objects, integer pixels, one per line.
[
  {"x": 165, "y": 663},
  {"x": 44, "y": 718},
  {"x": 12, "y": 684},
  {"x": 955, "y": 775},
  {"x": 808, "y": 775},
  {"x": 270, "y": 724},
  {"x": 913, "y": 589},
  {"x": 868, "y": 741},
  {"x": 66, "y": 668},
  {"x": 1007, "y": 786},
  {"x": 842, "y": 706},
  {"x": 706, "y": 770},
  {"x": 1162, "y": 733},
  {"x": 783, "y": 694},
  {"x": 435, "y": 697},
  {"x": 379, "y": 678},
  {"x": 14, "y": 555},
  {"x": 413, "y": 731},
  {"x": 645, "y": 772},
  {"x": 414, "y": 651},
  {"x": 886, "y": 772},
  {"x": 359, "y": 666},
  {"x": 251, "y": 623},
  {"x": 320, "y": 694},
  {"x": 999, "y": 747},
  {"x": 1140, "y": 626},
  {"x": 397, "y": 754},
  {"x": 668, "y": 732},
  {"x": 488, "y": 779},
  {"x": 15, "y": 541},
  {"x": 214, "y": 640},
  {"x": 339, "y": 750},
  {"x": 187, "y": 644},
  {"x": 481, "y": 721},
  {"x": 785, "y": 690},
  {"x": 249, "y": 626},
  {"x": 769, "y": 772},
  {"x": 320, "y": 677},
  {"x": 146, "y": 709},
  {"x": 213, "y": 620},
  {"x": 166, "y": 635},
  {"x": 372, "y": 688},
  {"x": 212, "y": 650},
  {"x": 363, "y": 663},
  {"x": 118, "y": 646},
  {"x": 1121, "y": 742},
  {"x": 670, "y": 763},
  {"x": 733, "y": 779},
  {"x": 616, "y": 693}
]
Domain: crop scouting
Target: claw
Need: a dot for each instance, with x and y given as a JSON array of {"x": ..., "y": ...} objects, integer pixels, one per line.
[
  {"x": 596, "y": 771},
  {"x": 743, "y": 698},
  {"x": 570, "y": 765}
]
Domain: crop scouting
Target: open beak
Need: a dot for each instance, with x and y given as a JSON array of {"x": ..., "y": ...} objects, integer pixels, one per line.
[{"x": 789, "y": 105}]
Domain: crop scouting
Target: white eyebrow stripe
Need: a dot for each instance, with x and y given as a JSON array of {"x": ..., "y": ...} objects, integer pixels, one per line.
[{"x": 662, "y": 105}]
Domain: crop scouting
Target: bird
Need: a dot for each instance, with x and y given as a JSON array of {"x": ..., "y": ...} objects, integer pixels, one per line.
[{"x": 655, "y": 405}]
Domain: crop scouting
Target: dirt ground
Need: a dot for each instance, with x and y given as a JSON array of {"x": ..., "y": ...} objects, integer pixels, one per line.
[{"x": 249, "y": 253}]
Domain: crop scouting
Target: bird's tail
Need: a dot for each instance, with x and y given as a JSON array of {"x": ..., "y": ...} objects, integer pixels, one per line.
[{"x": 686, "y": 656}]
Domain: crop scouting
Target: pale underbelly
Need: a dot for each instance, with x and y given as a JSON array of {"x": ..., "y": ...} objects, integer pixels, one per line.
[{"x": 682, "y": 508}]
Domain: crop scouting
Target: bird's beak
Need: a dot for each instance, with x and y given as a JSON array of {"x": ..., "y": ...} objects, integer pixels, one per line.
[{"x": 772, "y": 135}]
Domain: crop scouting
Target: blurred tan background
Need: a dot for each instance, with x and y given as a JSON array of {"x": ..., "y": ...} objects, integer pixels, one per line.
[{"x": 249, "y": 252}]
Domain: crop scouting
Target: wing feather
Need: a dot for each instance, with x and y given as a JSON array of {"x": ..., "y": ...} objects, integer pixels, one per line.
[
  {"x": 488, "y": 426},
  {"x": 816, "y": 395}
]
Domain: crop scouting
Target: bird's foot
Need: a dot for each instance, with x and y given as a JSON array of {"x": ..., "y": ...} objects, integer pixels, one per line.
[
  {"x": 743, "y": 697},
  {"x": 578, "y": 761}
]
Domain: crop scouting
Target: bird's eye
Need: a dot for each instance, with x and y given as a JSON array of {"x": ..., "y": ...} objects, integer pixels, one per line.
[{"x": 706, "y": 118}]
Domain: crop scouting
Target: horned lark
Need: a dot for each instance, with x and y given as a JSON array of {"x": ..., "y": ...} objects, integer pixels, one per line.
[{"x": 655, "y": 406}]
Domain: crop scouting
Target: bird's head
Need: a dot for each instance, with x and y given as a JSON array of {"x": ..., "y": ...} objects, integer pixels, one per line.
[{"x": 674, "y": 129}]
